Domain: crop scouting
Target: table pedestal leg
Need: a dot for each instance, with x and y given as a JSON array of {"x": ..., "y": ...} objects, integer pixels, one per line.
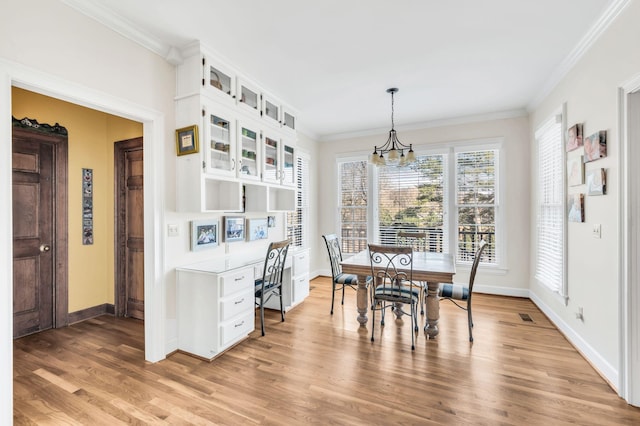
[
  {"x": 433, "y": 310},
  {"x": 362, "y": 301}
]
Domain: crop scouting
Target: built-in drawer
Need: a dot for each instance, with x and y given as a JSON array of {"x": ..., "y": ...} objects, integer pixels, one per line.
[
  {"x": 300, "y": 287},
  {"x": 301, "y": 263},
  {"x": 236, "y": 282},
  {"x": 234, "y": 330},
  {"x": 236, "y": 304}
]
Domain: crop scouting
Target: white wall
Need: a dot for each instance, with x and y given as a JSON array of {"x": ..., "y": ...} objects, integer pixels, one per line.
[
  {"x": 591, "y": 96},
  {"x": 515, "y": 134}
]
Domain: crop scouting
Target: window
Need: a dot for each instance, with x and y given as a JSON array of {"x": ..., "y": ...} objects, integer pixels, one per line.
[
  {"x": 297, "y": 220},
  {"x": 352, "y": 205},
  {"x": 412, "y": 198},
  {"x": 550, "y": 206},
  {"x": 476, "y": 203}
]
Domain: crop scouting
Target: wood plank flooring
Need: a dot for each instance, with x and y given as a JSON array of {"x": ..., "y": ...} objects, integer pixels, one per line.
[{"x": 320, "y": 369}]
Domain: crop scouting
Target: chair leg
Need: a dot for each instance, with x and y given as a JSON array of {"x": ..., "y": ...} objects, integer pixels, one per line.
[
  {"x": 262, "y": 314},
  {"x": 470, "y": 317},
  {"x": 333, "y": 295},
  {"x": 343, "y": 286},
  {"x": 414, "y": 317},
  {"x": 424, "y": 288},
  {"x": 281, "y": 305},
  {"x": 373, "y": 319}
]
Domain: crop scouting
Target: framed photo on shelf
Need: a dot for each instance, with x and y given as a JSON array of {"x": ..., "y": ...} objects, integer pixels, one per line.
[
  {"x": 233, "y": 229},
  {"x": 204, "y": 234},
  {"x": 257, "y": 229},
  {"x": 187, "y": 140}
]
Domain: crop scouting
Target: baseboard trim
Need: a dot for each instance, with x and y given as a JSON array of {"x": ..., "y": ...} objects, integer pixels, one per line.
[{"x": 94, "y": 311}]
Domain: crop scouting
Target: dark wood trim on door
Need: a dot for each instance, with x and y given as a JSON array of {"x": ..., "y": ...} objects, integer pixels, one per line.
[{"x": 57, "y": 136}]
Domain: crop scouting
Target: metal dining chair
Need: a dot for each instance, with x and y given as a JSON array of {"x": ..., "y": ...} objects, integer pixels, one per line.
[
  {"x": 463, "y": 293},
  {"x": 418, "y": 240},
  {"x": 271, "y": 282}
]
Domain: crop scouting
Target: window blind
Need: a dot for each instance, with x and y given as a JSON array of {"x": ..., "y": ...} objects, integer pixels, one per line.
[
  {"x": 550, "y": 206},
  {"x": 476, "y": 204},
  {"x": 411, "y": 198},
  {"x": 297, "y": 220},
  {"x": 352, "y": 205}
]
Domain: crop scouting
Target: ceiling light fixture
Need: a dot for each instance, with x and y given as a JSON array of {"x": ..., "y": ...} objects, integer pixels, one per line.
[{"x": 393, "y": 147}]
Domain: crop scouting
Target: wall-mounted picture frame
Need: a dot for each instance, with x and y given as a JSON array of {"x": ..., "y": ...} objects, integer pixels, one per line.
[
  {"x": 187, "y": 140},
  {"x": 595, "y": 146},
  {"x": 575, "y": 171},
  {"x": 271, "y": 221},
  {"x": 576, "y": 208},
  {"x": 204, "y": 234},
  {"x": 257, "y": 229},
  {"x": 596, "y": 182},
  {"x": 233, "y": 229},
  {"x": 574, "y": 137}
]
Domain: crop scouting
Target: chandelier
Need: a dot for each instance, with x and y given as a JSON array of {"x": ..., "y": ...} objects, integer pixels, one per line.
[{"x": 394, "y": 149}]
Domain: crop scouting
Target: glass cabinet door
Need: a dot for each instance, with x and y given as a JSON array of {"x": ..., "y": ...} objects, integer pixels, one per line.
[
  {"x": 249, "y": 151},
  {"x": 248, "y": 96},
  {"x": 288, "y": 176},
  {"x": 221, "y": 148},
  {"x": 220, "y": 80},
  {"x": 271, "y": 154},
  {"x": 271, "y": 111}
]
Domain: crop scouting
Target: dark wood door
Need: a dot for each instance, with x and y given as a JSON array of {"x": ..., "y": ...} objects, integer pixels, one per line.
[
  {"x": 33, "y": 234},
  {"x": 130, "y": 232}
]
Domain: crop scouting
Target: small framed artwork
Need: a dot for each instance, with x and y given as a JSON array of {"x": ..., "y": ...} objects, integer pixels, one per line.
[
  {"x": 233, "y": 228},
  {"x": 576, "y": 207},
  {"x": 271, "y": 221},
  {"x": 187, "y": 140},
  {"x": 575, "y": 171},
  {"x": 204, "y": 234},
  {"x": 257, "y": 229},
  {"x": 574, "y": 137},
  {"x": 595, "y": 146},
  {"x": 596, "y": 182}
]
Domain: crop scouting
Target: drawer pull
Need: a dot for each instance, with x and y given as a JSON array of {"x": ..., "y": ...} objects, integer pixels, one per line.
[
  {"x": 239, "y": 279},
  {"x": 239, "y": 325},
  {"x": 237, "y": 302}
]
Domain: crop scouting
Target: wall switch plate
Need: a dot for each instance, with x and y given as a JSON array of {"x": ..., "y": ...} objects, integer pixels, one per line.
[
  {"x": 172, "y": 230},
  {"x": 597, "y": 231}
]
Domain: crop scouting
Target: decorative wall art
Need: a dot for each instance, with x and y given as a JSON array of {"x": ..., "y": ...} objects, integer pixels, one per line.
[
  {"x": 575, "y": 171},
  {"x": 187, "y": 140},
  {"x": 204, "y": 234},
  {"x": 87, "y": 207},
  {"x": 595, "y": 146},
  {"x": 233, "y": 229},
  {"x": 576, "y": 207},
  {"x": 596, "y": 182},
  {"x": 574, "y": 137},
  {"x": 257, "y": 229},
  {"x": 271, "y": 221}
]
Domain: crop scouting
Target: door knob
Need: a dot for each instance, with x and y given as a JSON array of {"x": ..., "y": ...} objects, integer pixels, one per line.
[{"x": 44, "y": 248}]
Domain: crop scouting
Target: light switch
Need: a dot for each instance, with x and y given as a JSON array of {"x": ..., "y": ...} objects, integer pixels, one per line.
[
  {"x": 597, "y": 229},
  {"x": 172, "y": 230}
]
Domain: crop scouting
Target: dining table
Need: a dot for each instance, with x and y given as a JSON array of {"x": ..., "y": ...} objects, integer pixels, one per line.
[{"x": 432, "y": 268}]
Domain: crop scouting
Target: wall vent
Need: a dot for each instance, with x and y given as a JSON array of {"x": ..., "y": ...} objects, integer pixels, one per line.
[{"x": 525, "y": 318}]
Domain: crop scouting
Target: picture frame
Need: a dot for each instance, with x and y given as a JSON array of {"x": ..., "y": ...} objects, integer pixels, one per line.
[
  {"x": 271, "y": 221},
  {"x": 597, "y": 182},
  {"x": 595, "y": 146},
  {"x": 575, "y": 171},
  {"x": 574, "y": 137},
  {"x": 575, "y": 208},
  {"x": 187, "y": 140},
  {"x": 204, "y": 234},
  {"x": 257, "y": 229},
  {"x": 233, "y": 229}
]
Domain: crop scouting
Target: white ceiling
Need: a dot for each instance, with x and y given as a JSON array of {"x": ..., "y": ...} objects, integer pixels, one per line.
[{"x": 332, "y": 60}]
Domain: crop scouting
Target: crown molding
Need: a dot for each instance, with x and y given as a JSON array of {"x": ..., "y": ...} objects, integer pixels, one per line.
[
  {"x": 599, "y": 27},
  {"x": 454, "y": 121},
  {"x": 125, "y": 28}
]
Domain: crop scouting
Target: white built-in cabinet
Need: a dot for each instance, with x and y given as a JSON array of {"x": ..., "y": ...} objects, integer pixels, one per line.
[
  {"x": 215, "y": 310},
  {"x": 247, "y": 141}
]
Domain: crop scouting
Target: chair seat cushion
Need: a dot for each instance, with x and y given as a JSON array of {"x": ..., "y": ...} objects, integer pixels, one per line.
[
  {"x": 346, "y": 279},
  {"x": 454, "y": 291},
  {"x": 387, "y": 292}
]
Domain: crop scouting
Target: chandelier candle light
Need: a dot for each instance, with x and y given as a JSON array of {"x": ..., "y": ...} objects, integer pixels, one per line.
[{"x": 393, "y": 147}]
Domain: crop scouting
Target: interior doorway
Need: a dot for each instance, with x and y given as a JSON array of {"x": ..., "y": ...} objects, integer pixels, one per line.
[
  {"x": 129, "y": 247},
  {"x": 39, "y": 176}
]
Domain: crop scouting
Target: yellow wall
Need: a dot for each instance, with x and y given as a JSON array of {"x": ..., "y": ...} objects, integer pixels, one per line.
[{"x": 91, "y": 137}]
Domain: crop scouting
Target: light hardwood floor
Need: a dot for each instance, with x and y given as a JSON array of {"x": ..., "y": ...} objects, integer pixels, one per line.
[{"x": 320, "y": 369}]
